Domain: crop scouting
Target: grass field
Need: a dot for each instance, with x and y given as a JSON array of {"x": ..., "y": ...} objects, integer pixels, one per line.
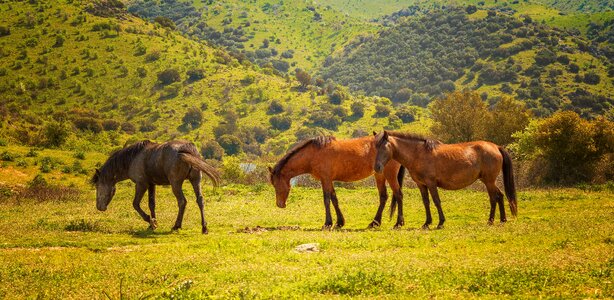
[{"x": 561, "y": 245}]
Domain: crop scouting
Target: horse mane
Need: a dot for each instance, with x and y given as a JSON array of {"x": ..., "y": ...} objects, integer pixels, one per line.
[
  {"x": 318, "y": 142},
  {"x": 119, "y": 161},
  {"x": 429, "y": 144}
]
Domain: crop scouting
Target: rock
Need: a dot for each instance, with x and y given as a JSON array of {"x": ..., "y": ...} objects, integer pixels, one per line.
[{"x": 307, "y": 248}]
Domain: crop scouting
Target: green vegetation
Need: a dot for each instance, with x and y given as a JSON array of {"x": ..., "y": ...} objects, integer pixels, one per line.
[
  {"x": 66, "y": 249},
  {"x": 499, "y": 55}
]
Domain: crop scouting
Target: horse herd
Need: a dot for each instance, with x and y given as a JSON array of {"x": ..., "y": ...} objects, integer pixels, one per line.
[{"x": 430, "y": 163}]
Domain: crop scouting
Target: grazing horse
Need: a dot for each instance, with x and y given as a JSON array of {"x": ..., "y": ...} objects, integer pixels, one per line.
[
  {"x": 149, "y": 164},
  {"x": 433, "y": 164},
  {"x": 328, "y": 159}
]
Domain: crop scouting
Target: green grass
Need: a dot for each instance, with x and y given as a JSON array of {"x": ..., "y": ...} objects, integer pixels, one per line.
[{"x": 559, "y": 246}]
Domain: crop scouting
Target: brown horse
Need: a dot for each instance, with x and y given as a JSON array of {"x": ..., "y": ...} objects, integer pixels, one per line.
[
  {"x": 328, "y": 159},
  {"x": 433, "y": 164},
  {"x": 149, "y": 164}
]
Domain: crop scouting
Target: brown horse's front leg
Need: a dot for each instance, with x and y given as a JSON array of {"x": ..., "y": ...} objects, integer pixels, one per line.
[
  {"x": 136, "y": 203},
  {"x": 424, "y": 192},
  {"x": 383, "y": 197},
  {"x": 437, "y": 201},
  {"x": 398, "y": 197},
  {"x": 327, "y": 188}
]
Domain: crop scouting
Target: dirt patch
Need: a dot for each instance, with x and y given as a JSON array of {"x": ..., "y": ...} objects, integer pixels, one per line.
[{"x": 259, "y": 229}]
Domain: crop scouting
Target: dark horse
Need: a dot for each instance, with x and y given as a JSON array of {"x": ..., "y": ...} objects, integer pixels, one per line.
[
  {"x": 328, "y": 159},
  {"x": 433, "y": 164},
  {"x": 149, "y": 164}
]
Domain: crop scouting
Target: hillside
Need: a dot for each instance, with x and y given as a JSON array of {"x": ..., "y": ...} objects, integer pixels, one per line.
[
  {"x": 88, "y": 75},
  {"x": 494, "y": 53}
]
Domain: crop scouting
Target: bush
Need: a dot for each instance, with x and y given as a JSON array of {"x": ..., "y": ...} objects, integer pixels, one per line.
[
  {"x": 55, "y": 134},
  {"x": 128, "y": 128},
  {"x": 152, "y": 56},
  {"x": 110, "y": 125},
  {"x": 382, "y": 111},
  {"x": 169, "y": 76},
  {"x": 592, "y": 78},
  {"x": 275, "y": 107},
  {"x": 196, "y": 74},
  {"x": 4, "y": 31},
  {"x": 358, "y": 109},
  {"x": 325, "y": 118},
  {"x": 406, "y": 113},
  {"x": 212, "y": 150},
  {"x": 7, "y": 156},
  {"x": 88, "y": 124},
  {"x": 572, "y": 146},
  {"x": 403, "y": 95},
  {"x": 281, "y": 122},
  {"x": 165, "y": 22},
  {"x": 194, "y": 117},
  {"x": 232, "y": 145}
]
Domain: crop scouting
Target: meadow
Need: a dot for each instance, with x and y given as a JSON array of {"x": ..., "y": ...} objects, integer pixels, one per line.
[{"x": 560, "y": 245}]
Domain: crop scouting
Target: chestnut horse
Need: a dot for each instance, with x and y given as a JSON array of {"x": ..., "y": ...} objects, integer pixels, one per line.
[
  {"x": 433, "y": 164},
  {"x": 149, "y": 164},
  {"x": 328, "y": 159}
]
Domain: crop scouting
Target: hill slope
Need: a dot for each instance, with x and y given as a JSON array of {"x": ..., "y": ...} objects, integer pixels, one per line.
[
  {"x": 93, "y": 76},
  {"x": 497, "y": 54}
]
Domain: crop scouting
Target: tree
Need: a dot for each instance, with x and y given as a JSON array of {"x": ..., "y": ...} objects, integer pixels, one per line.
[
  {"x": 382, "y": 110},
  {"x": 165, "y": 22},
  {"x": 508, "y": 116},
  {"x": 459, "y": 117},
  {"x": 406, "y": 113},
  {"x": 281, "y": 122},
  {"x": 56, "y": 134},
  {"x": 358, "y": 109},
  {"x": 303, "y": 78},
  {"x": 403, "y": 95},
  {"x": 275, "y": 107}
]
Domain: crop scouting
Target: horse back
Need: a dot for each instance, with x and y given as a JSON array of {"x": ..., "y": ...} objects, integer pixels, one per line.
[
  {"x": 344, "y": 160},
  {"x": 160, "y": 163}
]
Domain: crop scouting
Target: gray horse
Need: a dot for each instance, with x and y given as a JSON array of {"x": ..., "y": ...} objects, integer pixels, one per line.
[{"x": 149, "y": 164}]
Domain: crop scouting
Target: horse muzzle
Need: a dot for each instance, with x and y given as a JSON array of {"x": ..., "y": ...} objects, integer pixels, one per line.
[{"x": 378, "y": 168}]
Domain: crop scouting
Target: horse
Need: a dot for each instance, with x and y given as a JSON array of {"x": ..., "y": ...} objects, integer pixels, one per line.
[
  {"x": 432, "y": 164},
  {"x": 149, "y": 164},
  {"x": 328, "y": 159}
]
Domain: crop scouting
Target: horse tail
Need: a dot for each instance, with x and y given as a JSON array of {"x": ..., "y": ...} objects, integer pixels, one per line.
[
  {"x": 201, "y": 165},
  {"x": 508, "y": 181},
  {"x": 394, "y": 202}
]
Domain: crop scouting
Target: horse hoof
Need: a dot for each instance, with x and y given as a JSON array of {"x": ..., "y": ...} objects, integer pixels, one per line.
[
  {"x": 205, "y": 230},
  {"x": 327, "y": 227},
  {"x": 175, "y": 228},
  {"x": 503, "y": 221},
  {"x": 397, "y": 226},
  {"x": 153, "y": 223},
  {"x": 490, "y": 222},
  {"x": 425, "y": 227},
  {"x": 440, "y": 226},
  {"x": 339, "y": 226}
]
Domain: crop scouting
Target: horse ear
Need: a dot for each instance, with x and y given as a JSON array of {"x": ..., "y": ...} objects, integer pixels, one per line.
[
  {"x": 97, "y": 171},
  {"x": 374, "y": 133},
  {"x": 385, "y": 136},
  {"x": 270, "y": 170}
]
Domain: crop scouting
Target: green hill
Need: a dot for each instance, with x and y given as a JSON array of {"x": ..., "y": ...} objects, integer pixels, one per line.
[
  {"x": 88, "y": 75},
  {"x": 495, "y": 53}
]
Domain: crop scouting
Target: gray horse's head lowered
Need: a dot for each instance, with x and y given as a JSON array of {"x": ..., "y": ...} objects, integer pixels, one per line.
[{"x": 105, "y": 190}]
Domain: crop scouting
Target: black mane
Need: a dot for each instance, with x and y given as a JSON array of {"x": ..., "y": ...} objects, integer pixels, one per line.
[
  {"x": 119, "y": 161},
  {"x": 319, "y": 142},
  {"x": 429, "y": 144}
]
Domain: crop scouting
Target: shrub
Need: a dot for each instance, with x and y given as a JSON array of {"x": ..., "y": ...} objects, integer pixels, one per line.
[
  {"x": 403, "y": 95},
  {"x": 275, "y": 107},
  {"x": 4, "y": 31},
  {"x": 147, "y": 126},
  {"x": 165, "y": 22},
  {"x": 152, "y": 56},
  {"x": 55, "y": 134},
  {"x": 88, "y": 124},
  {"x": 508, "y": 116},
  {"x": 7, "y": 156},
  {"x": 194, "y": 117},
  {"x": 110, "y": 125},
  {"x": 358, "y": 109},
  {"x": 169, "y": 76},
  {"x": 406, "y": 113},
  {"x": 281, "y": 122},
  {"x": 382, "y": 111},
  {"x": 196, "y": 74},
  {"x": 591, "y": 78},
  {"x": 128, "y": 128},
  {"x": 231, "y": 144},
  {"x": 303, "y": 78},
  {"x": 325, "y": 118},
  {"x": 212, "y": 150}
]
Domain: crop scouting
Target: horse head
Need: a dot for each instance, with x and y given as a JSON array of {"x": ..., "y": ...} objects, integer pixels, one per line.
[
  {"x": 105, "y": 190},
  {"x": 282, "y": 187},
  {"x": 383, "y": 151}
]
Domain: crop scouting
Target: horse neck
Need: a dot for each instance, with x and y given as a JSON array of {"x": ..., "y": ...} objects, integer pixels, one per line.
[
  {"x": 299, "y": 164},
  {"x": 405, "y": 150}
]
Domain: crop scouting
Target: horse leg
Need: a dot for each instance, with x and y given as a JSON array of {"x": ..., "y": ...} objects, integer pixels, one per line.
[
  {"x": 496, "y": 197},
  {"x": 151, "y": 193},
  {"x": 199, "y": 200},
  {"x": 181, "y": 202},
  {"x": 383, "y": 196},
  {"x": 437, "y": 201},
  {"x": 327, "y": 189},
  {"x": 136, "y": 203},
  {"x": 340, "y": 218},
  {"x": 399, "y": 199},
  {"x": 424, "y": 192}
]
